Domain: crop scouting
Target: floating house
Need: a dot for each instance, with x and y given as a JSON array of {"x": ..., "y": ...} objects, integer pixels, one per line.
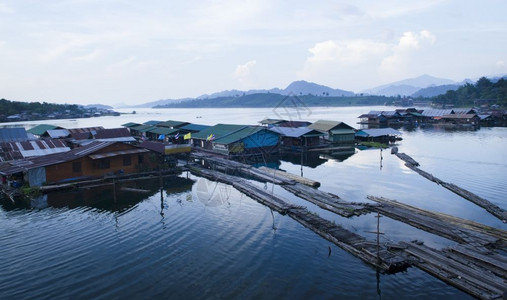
[
  {"x": 460, "y": 119},
  {"x": 94, "y": 160},
  {"x": 381, "y": 135},
  {"x": 299, "y": 138},
  {"x": 230, "y": 139},
  {"x": 172, "y": 124},
  {"x": 335, "y": 132}
]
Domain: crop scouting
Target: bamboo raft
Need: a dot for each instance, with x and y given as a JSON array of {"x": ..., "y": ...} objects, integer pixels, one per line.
[{"x": 493, "y": 209}]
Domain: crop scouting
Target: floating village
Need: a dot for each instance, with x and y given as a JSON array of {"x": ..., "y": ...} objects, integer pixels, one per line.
[{"x": 48, "y": 158}]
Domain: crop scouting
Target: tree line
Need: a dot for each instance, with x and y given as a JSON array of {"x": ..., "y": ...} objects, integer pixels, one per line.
[
  {"x": 8, "y": 108},
  {"x": 484, "y": 91}
]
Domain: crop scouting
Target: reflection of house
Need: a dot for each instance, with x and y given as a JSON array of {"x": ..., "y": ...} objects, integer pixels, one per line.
[
  {"x": 235, "y": 139},
  {"x": 298, "y": 138},
  {"x": 93, "y": 160},
  {"x": 335, "y": 131}
]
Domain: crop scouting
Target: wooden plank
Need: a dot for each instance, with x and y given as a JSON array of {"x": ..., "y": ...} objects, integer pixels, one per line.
[{"x": 297, "y": 178}]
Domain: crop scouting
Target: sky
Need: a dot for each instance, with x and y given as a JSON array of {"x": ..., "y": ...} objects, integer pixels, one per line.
[{"x": 133, "y": 52}]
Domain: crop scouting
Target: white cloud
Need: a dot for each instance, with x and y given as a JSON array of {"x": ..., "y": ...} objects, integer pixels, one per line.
[
  {"x": 345, "y": 52},
  {"x": 6, "y": 9},
  {"x": 243, "y": 71},
  {"x": 500, "y": 64},
  {"x": 402, "y": 53}
]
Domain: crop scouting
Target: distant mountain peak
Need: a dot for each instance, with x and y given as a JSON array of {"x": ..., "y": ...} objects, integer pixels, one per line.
[{"x": 408, "y": 86}]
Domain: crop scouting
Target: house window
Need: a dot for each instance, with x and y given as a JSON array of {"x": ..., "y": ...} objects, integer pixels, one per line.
[
  {"x": 127, "y": 160},
  {"x": 140, "y": 159},
  {"x": 76, "y": 167},
  {"x": 104, "y": 163}
]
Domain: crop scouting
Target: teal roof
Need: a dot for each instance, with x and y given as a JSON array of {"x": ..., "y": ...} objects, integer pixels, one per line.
[
  {"x": 42, "y": 128},
  {"x": 163, "y": 130},
  {"x": 238, "y": 135},
  {"x": 172, "y": 123},
  {"x": 130, "y": 124},
  {"x": 142, "y": 128},
  {"x": 219, "y": 131},
  {"x": 342, "y": 131},
  {"x": 152, "y": 122},
  {"x": 194, "y": 127}
]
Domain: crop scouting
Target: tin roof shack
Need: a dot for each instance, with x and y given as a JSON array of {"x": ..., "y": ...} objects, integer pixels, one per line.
[
  {"x": 203, "y": 139},
  {"x": 141, "y": 130},
  {"x": 94, "y": 160},
  {"x": 172, "y": 124},
  {"x": 298, "y": 139},
  {"x": 20, "y": 150},
  {"x": 460, "y": 119},
  {"x": 379, "y": 135},
  {"x": 335, "y": 132}
]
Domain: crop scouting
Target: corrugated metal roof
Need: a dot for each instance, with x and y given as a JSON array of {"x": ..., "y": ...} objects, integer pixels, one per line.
[
  {"x": 436, "y": 112},
  {"x": 219, "y": 131},
  {"x": 376, "y": 132},
  {"x": 326, "y": 125},
  {"x": 85, "y": 129},
  {"x": 152, "y": 122},
  {"x": 172, "y": 124},
  {"x": 163, "y": 130},
  {"x": 296, "y": 131},
  {"x": 58, "y": 133},
  {"x": 21, "y": 165},
  {"x": 194, "y": 127},
  {"x": 271, "y": 121},
  {"x": 459, "y": 116},
  {"x": 42, "y": 128},
  {"x": 238, "y": 135},
  {"x": 153, "y": 146},
  {"x": 14, "y": 134},
  {"x": 112, "y": 133},
  {"x": 142, "y": 128},
  {"x": 342, "y": 131},
  {"x": 130, "y": 124},
  {"x": 116, "y": 153}
]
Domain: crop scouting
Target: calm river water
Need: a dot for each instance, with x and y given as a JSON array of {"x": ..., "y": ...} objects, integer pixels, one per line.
[{"x": 196, "y": 239}]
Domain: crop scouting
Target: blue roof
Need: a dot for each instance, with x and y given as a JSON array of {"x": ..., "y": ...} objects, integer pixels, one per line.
[{"x": 15, "y": 134}]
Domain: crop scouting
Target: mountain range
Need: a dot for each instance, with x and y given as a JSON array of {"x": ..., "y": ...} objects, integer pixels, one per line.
[{"x": 422, "y": 86}]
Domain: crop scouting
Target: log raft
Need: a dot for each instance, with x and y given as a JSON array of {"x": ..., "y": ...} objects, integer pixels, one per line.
[{"x": 493, "y": 209}]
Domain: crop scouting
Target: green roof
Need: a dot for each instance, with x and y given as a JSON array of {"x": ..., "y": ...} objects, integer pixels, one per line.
[
  {"x": 325, "y": 125},
  {"x": 219, "y": 131},
  {"x": 130, "y": 124},
  {"x": 142, "y": 128},
  {"x": 238, "y": 135},
  {"x": 42, "y": 128},
  {"x": 171, "y": 123},
  {"x": 163, "y": 130},
  {"x": 343, "y": 131}
]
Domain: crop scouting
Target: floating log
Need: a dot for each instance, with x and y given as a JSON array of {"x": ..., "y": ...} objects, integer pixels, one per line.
[
  {"x": 294, "y": 177},
  {"x": 493, "y": 209},
  {"x": 454, "y": 228},
  {"x": 469, "y": 277}
]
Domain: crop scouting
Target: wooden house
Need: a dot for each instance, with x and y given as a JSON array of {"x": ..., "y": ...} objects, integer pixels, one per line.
[
  {"x": 335, "y": 132},
  {"x": 381, "y": 135},
  {"x": 94, "y": 160}
]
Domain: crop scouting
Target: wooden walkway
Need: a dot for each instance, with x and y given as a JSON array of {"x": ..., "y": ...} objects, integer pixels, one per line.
[{"x": 493, "y": 209}]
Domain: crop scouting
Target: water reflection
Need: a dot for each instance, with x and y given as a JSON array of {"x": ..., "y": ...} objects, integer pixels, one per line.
[{"x": 117, "y": 197}]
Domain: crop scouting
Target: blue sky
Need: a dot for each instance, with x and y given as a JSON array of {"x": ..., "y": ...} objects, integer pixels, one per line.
[{"x": 100, "y": 51}]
